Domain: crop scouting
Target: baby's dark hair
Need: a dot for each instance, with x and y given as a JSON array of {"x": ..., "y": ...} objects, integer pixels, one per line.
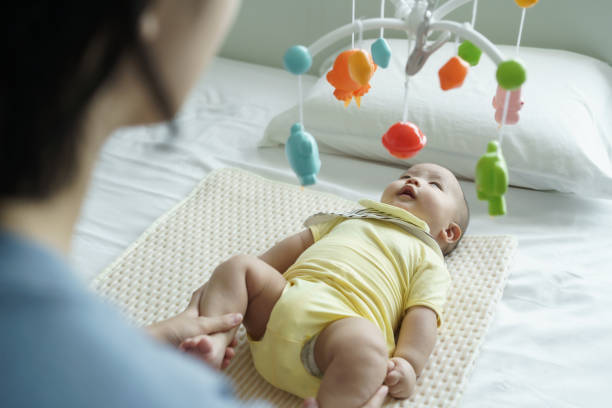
[{"x": 462, "y": 218}]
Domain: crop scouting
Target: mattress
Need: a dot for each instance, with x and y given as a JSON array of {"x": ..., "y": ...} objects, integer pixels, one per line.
[{"x": 550, "y": 341}]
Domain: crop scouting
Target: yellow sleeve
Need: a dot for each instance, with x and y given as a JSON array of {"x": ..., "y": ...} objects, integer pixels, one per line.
[
  {"x": 319, "y": 230},
  {"x": 429, "y": 286}
]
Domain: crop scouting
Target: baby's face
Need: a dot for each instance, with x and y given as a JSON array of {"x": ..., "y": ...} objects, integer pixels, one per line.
[{"x": 430, "y": 192}]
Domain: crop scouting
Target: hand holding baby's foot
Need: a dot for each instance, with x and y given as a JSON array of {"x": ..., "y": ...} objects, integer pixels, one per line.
[
  {"x": 401, "y": 378},
  {"x": 211, "y": 349}
]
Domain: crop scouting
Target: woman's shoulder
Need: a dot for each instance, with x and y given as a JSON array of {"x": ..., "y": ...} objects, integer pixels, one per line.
[
  {"x": 29, "y": 270},
  {"x": 79, "y": 351}
]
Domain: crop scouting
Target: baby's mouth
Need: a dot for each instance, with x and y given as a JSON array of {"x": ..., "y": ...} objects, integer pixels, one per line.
[{"x": 408, "y": 191}]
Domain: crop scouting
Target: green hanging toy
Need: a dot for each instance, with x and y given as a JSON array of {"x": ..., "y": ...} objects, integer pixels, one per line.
[{"x": 492, "y": 179}]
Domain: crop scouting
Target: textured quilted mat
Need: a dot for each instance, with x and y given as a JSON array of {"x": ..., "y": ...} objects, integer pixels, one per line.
[{"x": 233, "y": 211}]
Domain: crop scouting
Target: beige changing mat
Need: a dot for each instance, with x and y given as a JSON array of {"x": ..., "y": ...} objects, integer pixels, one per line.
[{"x": 233, "y": 211}]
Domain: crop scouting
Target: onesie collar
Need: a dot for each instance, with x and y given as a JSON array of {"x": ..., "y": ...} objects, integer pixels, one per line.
[
  {"x": 396, "y": 212},
  {"x": 383, "y": 212}
]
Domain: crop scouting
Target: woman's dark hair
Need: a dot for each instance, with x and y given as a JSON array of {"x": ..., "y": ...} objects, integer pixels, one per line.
[{"x": 62, "y": 52}]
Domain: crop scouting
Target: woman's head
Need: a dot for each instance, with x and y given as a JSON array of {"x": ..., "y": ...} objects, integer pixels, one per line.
[{"x": 103, "y": 64}]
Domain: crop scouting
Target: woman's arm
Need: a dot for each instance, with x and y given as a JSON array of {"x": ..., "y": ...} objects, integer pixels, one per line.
[
  {"x": 188, "y": 323},
  {"x": 282, "y": 255}
]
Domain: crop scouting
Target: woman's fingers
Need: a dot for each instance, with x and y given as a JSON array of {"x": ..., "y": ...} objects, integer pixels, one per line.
[
  {"x": 210, "y": 325},
  {"x": 181, "y": 327}
]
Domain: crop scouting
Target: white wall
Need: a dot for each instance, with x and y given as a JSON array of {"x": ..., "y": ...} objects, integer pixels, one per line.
[{"x": 264, "y": 29}]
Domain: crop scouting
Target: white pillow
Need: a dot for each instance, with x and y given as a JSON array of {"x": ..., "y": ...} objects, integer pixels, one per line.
[{"x": 563, "y": 140}]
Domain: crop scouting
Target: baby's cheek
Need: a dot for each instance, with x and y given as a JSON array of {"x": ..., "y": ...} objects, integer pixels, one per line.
[{"x": 387, "y": 195}]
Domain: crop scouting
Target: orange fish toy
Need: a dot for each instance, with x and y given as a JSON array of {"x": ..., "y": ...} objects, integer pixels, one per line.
[{"x": 350, "y": 75}]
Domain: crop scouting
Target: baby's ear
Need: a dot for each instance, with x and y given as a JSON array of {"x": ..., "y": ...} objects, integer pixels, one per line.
[{"x": 451, "y": 233}]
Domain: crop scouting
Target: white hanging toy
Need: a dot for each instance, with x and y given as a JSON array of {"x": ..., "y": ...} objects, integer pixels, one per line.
[{"x": 354, "y": 68}]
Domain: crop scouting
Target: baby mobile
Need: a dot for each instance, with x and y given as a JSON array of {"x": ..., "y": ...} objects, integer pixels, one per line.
[{"x": 353, "y": 69}]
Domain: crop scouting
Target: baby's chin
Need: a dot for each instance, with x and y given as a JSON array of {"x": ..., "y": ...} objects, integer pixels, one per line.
[{"x": 406, "y": 205}]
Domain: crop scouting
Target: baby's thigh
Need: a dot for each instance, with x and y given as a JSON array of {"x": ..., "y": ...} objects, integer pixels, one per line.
[
  {"x": 252, "y": 284},
  {"x": 352, "y": 354},
  {"x": 265, "y": 285},
  {"x": 353, "y": 341}
]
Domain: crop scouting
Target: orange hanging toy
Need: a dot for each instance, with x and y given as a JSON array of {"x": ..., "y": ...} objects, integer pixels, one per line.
[
  {"x": 453, "y": 73},
  {"x": 351, "y": 74}
]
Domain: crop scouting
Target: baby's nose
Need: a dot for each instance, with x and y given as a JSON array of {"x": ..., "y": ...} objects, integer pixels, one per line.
[{"x": 413, "y": 180}]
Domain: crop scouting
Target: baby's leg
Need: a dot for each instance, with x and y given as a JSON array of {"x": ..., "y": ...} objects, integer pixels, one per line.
[
  {"x": 243, "y": 284},
  {"x": 353, "y": 356}
]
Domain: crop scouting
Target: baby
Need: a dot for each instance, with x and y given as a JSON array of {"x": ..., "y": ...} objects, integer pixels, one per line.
[{"x": 322, "y": 308}]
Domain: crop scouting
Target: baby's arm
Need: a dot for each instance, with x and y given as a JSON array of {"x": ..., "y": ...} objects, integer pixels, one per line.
[
  {"x": 282, "y": 255},
  {"x": 416, "y": 341}
]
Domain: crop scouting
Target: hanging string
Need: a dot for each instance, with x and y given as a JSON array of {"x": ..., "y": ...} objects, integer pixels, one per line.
[
  {"x": 360, "y": 28},
  {"x": 382, "y": 15},
  {"x": 520, "y": 34},
  {"x": 300, "y": 99},
  {"x": 405, "y": 113},
  {"x": 474, "y": 9},
  {"x": 504, "y": 117},
  {"x": 406, "y": 83},
  {"x": 353, "y": 22},
  {"x": 507, "y": 99},
  {"x": 457, "y": 36}
]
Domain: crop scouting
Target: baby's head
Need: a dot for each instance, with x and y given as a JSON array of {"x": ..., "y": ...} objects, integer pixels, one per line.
[{"x": 433, "y": 194}]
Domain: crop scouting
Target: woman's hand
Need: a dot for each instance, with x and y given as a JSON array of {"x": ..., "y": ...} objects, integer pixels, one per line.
[
  {"x": 189, "y": 324},
  {"x": 401, "y": 378}
]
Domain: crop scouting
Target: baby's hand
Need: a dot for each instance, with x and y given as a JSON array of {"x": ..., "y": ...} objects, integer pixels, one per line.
[{"x": 400, "y": 378}]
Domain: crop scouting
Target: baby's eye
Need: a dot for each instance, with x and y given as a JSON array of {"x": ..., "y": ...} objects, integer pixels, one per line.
[
  {"x": 435, "y": 183},
  {"x": 405, "y": 177}
]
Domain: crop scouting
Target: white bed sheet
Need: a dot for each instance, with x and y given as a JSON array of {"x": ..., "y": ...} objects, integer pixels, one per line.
[{"x": 550, "y": 344}]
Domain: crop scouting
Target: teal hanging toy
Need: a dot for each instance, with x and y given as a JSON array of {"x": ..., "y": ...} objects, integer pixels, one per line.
[{"x": 303, "y": 154}]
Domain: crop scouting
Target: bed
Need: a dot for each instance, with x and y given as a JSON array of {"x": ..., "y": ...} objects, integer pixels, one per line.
[{"x": 550, "y": 343}]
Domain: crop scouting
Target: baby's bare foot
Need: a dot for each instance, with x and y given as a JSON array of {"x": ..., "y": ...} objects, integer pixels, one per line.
[{"x": 208, "y": 347}]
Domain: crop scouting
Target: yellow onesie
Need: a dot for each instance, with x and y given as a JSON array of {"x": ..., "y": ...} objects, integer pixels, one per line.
[{"x": 366, "y": 268}]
